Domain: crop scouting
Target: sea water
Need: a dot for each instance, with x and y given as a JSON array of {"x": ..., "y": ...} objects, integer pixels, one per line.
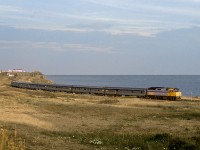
[{"x": 188, "y": 84}]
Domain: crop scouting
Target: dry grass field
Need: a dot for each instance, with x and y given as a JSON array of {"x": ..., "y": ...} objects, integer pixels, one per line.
[{"x": 47, "y": 120}]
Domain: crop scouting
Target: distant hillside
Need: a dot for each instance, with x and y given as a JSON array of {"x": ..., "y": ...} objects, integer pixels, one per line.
[{"x": 33, "y": 77}]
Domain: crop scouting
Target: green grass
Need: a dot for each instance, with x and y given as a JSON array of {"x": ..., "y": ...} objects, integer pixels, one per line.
[
  {"x": 111, "y": 140},
  {"x": 190, "y": 115}
]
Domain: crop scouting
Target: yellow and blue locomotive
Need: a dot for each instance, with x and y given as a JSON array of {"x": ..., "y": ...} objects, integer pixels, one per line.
[{"x": 164, "y": 93}]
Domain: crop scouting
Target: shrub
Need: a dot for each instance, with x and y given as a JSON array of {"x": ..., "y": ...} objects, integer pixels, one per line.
[{"x": 178, "y": 144}]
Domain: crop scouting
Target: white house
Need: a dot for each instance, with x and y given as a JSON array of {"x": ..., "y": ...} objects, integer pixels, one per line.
[{"x": 16, "y": 70}]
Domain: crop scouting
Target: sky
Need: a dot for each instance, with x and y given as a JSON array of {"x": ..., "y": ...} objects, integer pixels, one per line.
[{"x": 101, "y": 37}]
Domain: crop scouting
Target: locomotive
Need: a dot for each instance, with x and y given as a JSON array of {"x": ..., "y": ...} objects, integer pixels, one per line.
[{"x": 152, "y": 92}]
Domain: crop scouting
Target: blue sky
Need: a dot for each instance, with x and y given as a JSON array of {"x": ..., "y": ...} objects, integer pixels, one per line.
[{"x": 101, "y": 36}]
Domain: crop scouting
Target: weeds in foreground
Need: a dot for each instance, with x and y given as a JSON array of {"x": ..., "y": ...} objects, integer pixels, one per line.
[
  {"x": 129, "y": 141},
  {"x": 11, "y": 141}
]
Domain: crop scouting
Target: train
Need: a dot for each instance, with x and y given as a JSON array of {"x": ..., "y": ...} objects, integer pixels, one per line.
[{"x": 168, "y": 93}]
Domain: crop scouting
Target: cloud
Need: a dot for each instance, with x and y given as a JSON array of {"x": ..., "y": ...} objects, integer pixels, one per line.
[
  {"x": 9, "y": 8},
  {"x": 54, "y": 46},
  {"x": 155, "y": 6},
  {"x": 111, "y": 16},
  {"x": 197, "y": 1}
]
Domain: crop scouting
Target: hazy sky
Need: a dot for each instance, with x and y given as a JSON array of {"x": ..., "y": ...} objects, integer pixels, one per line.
[{"x": 101, "y": 36}]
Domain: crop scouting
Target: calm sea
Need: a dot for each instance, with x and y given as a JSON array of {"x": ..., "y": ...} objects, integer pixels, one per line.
[{"x": 188, "y": 84}]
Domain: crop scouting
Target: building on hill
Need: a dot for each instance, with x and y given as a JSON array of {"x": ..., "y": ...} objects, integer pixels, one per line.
[
  {"x": 10, "y": 72},
  {"x": 16, "y": 70}
]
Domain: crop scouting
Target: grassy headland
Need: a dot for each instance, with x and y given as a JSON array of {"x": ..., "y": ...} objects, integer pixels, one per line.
[{"x": 46, "y": 120}]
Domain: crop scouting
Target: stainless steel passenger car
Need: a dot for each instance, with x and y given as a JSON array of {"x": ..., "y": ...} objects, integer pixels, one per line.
[
  {"x": 81, "y": 89},
  {"x": 140, "y": 92},
  {"x": 97, "y": 90},
  {"x": 114, "y": 91}
]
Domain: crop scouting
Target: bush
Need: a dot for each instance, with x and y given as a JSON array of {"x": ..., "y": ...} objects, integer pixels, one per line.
[
  {"x": 178, "y": 144},
  {"x": 36, "y": 73}
]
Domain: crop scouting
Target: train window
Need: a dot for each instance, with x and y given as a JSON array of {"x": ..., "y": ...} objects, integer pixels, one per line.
[
  {"x": 176, "y": 89},
  {"x": 152, "y": 88}
]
